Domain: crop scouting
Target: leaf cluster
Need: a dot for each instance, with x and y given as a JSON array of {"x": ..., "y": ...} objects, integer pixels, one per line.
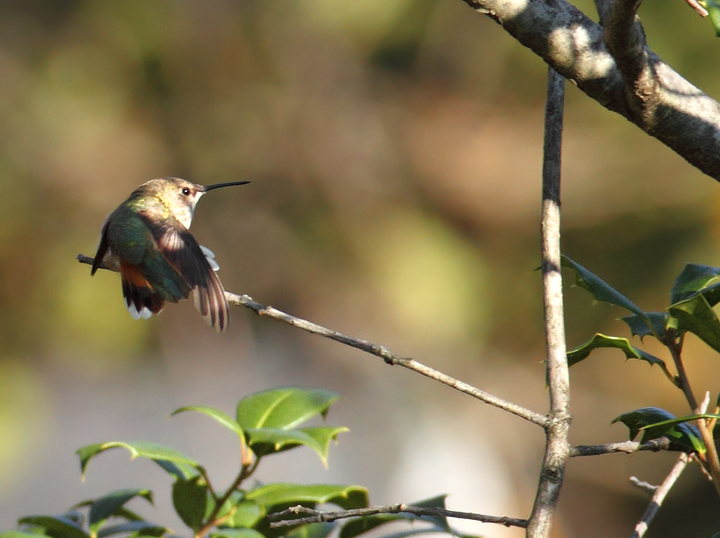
[
  {"x": 265, "y": 423},
  {"x": 694, "y": 294}
]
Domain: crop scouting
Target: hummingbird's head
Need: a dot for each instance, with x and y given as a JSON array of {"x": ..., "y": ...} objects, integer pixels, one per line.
[{"x": 179, "y": 195}]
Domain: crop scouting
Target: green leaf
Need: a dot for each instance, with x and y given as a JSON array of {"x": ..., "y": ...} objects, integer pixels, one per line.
[
  {"x": 137, "y": 449},
  {"x": 361, "y": 525},
  {"x": 181, "y": 471},
  {"x": 693, "y": 279},
  {"x": 696, "y": 316},
  {"x": 223, "y": 418},
  {"x": 133, "y": 529},
  {"x": 678, "y": 430},
  {"x": 190, "y": 499},
  {"x": 241, "y": 513},
  {"x": 623, "y": 344},
  {"x": 600, "y": 290},
  {"x": 283, "y": 408},
  {"x": 56, "y": 526},
  {"x": 358, "y": 526},
  {"x": 713, "y": 8},
  {"x": 653, "y": 324},
  {"x": 21, "y": 534},
  {"x": 108, "y": 505},
  {"x": 236, "y": 533},
  {"x": 434, "y": 502},
  {"x": 312, "y": 530},
  {"x": 639, "y": 418},
  {"x": 273, "y": 495},
  {"x": 655, "y": 422},
  {"x": 264, "y": 441}
]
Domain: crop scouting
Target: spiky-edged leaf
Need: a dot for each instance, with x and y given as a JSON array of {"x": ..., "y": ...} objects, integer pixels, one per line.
[
  {"x": 652, "y": 324},
  {"x": 137, "y": 449},
  {"x": 623, "y": 344},
  {"x": 284, "y": 408},
  {"x": 600, "y": 290},
  {"x": 223, "y": 418},
  {"x": 696, "y": 316}
]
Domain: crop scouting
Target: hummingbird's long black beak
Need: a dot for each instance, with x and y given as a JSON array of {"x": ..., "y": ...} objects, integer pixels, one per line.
[{"x": 206, "y": 188}]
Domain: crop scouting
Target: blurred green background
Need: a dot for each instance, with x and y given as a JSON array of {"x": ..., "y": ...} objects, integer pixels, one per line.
[{"x": 394, "y": 151}]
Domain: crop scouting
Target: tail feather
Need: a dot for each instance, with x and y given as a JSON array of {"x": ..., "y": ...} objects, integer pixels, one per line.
[{"x": 140, "y": 297}]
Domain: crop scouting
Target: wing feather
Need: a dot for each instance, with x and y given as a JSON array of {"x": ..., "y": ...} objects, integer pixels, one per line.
[{"x": 187, "y": 256}]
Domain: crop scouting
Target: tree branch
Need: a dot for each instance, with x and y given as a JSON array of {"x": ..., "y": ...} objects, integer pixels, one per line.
[
  {"x": 659, "y": 495},
  {"x": 681, "y": 116},
  {"x": 377, "y": 350},
  {"x": 627, "y": 447},
  {"x": 320, "y": 517},
  {"x": 556, "y": 445}
]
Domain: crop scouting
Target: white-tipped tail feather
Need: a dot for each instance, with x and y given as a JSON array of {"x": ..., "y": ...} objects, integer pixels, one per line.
[{"x": 144, "y": 312}]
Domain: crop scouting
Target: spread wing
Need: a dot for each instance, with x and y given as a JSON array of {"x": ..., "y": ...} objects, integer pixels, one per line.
[{"x": 187, "y": 256}]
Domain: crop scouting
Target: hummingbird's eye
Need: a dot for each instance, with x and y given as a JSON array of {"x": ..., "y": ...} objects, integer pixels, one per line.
[{"x": 186, "y": 191}]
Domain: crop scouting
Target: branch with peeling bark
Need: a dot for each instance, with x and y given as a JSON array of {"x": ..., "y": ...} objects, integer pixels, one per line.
[{"x": 621, "y": 74}]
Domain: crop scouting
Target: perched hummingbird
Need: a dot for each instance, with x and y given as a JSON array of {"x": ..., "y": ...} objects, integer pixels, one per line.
[{"x": 147, "y": 240}]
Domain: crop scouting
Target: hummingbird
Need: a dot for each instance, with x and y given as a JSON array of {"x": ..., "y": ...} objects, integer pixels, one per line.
[{"x": 147, "y": 240}]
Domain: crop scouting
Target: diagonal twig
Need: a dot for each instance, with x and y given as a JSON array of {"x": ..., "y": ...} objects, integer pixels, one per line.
[
  {"x": 379, "y": 351},
  {"x": 316, "y": 516},
  {"x": 659, "y": 496}
]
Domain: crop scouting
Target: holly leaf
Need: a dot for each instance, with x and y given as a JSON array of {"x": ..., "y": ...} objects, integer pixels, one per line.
[
  {"x": 601, "y": 290},
  {"x": 693, "y": 279},
  {"x": 623, "y": 344},
  {"x": 655, "y": 422},
  {"x": 652, "y": 324},
  {"x": 696, "y": 316}
]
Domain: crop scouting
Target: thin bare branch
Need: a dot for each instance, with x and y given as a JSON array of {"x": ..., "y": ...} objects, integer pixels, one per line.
[
  {"x": 320, "y": 517},
  {"x": 379, "y": 351},
  {"x": 660, "y": 494},
  {"x": 645, "y": 486},
  {"x": 556, "y": 445},
  {"x": 711, "y": 455},
  {"x": 698, "y": 8},
  {"x": 627, "y": 447}
]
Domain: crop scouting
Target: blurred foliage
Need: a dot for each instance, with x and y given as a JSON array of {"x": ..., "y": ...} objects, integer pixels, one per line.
[{"x": 394, "y": 148}]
